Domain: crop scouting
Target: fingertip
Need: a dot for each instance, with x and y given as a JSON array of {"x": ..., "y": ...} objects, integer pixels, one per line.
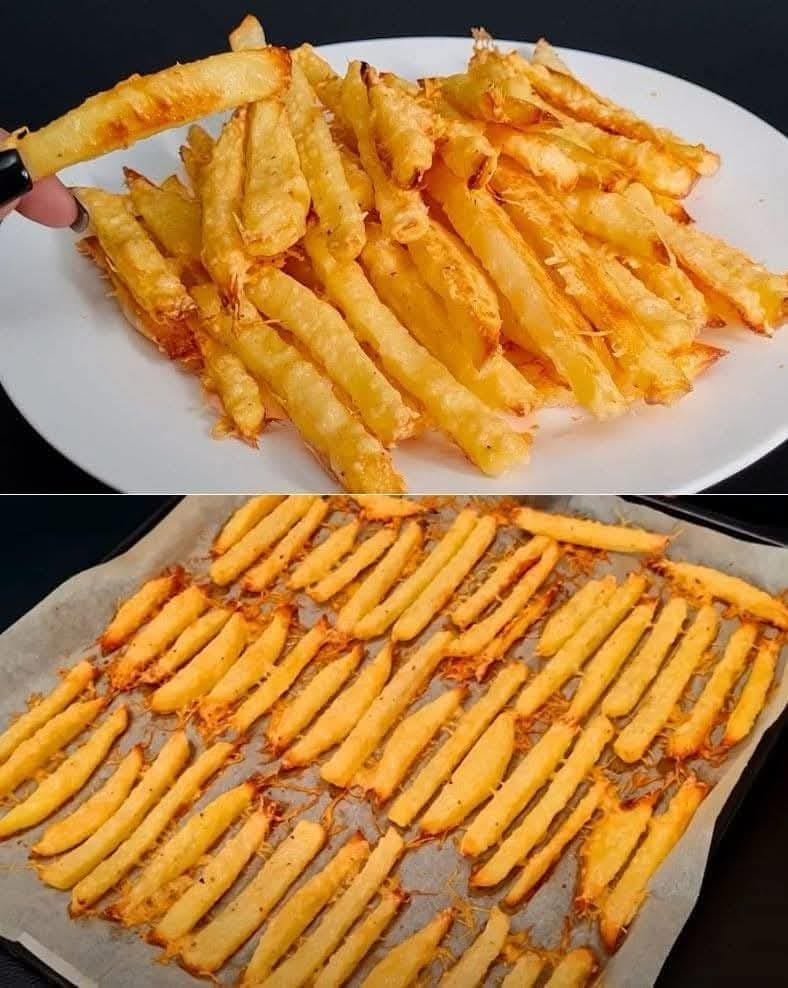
[{"x": 50, "y": 203}]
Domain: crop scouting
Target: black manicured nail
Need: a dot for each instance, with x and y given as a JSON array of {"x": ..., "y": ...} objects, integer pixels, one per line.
[
  {"x": 15, "y": 179},
  {"x": 80, "y": 224}
]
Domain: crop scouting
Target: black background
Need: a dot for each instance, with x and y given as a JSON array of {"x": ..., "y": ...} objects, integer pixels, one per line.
[
  {"x": 55, "y": 53},
  {"x": 736, "y": 934}
]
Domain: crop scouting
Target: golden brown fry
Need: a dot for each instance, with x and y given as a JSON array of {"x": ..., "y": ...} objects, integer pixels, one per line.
[
  {"x": 73, "y": 683},
  {"x": 402, "y": 131},
  {"x": 207, "y": 949},
  {"x": 248, "y": 34},
  {"x": 470, "y": 726},
  {"x": 138, "y": 608},
  {"x": 475, "y": 778},
  {"x": 336, "y": 722},
  {"x": 569, "y": 617},
  {"x": 651, "y": 716},
  {"x": 244, "y": 519},
  {"x": 536, "y": 822},
  {"x": 536, "y": 152},
  {"x": 515, "y": 630},
  {"x": 672, "y": 283},
  {"x": 529, "y": 776},
  {"x": 144, "y": 105},
  {"x": 593, "y": 169},
  {"x": 318, "y": 562},
  {"x": 382, "y": 507},
  {"x": 608, "y": 846},
  {"x": 261, "y": 576},
  {"x": 408, "y": 681},
  {"x": 543, "y": 314},
  {"x": 471, "y": 969},
  {"x": 358, "y": 181},
  {"x": 525, "y": 972},
  {"x": 326, "y": 336},
  {"x": 643, "y": 668},
  {"x": 401, "y": 965},
  {"x": 622, "y": 903},
  {"x": 569, "y": 659},
  {"x": 366, "y": 554},
  {"x": 689, "y": 737},
  {"x": 463, "y": 145},
  {"x": 613, "y": 219},
  {"x": 753, "y": 696},
  {"x": 705, "y": 582},
  {"x": 196, "y": 154},
  {"x": 280, "y": 678},
  {"x": 238, "y": 391},
  {"x": 574, "y": 969},
  {"x": 217, "y": 876},
  {"x": 190, "y": 641},
  {"x": 545, "y": 54},
  {"x": 174, "y": 220},
  {"x": 301, "y": 908},
  {"x": 505, "y": 101}
]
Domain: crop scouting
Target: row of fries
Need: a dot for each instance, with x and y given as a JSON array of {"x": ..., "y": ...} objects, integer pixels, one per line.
[
  {"x": 369, "y": 256},
  {"x": 524, "y": 771}
]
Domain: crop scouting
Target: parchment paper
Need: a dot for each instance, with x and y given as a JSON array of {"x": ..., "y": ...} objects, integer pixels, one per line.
[{"x": 64, "y": 626}]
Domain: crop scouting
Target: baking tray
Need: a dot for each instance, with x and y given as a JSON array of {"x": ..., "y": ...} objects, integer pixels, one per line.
[{"x": 22, "y": 966}]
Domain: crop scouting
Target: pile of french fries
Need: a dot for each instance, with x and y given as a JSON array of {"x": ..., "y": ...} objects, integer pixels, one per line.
[
  {"x": 370, "y": 256},
  {"x": 597, "y": 739}
]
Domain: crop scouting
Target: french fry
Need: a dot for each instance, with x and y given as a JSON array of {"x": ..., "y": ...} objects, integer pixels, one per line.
[
  {"x": 449, "y": 268},
  {"x": 327, "y": 337},
  {"x": 229, "y": 566},
  {"x": 333, "y": 201},
  {"x": 33, "y": 753},
  {"x": 112, "y": 869},
  {"x": 705, "y": 582},
  {"x": 322, "y": 78},
  {"x": 560, "y": 627},
  {"x": 525, "y": 972},
  {"x": 287, "y": 724},
  {"x": 505, "y": 101},
  {"x": 539, "y": 864},
  {"x": 363, "y": 556},
  {"x": 632, "y": 683},
  {"x": 248, "y": 34},
  {"x": 755, "y": 293},
  {"x": 217, "y": 876},
  {"x": 301, "y": 908},
  {"x": 603, "y": 667},
  {"x": 254, "y": 662},
  {"x": 182, "y": 851},
  {"x": 468, "y": 729},
  {"x": 358, "y": 181},
  {"x": 204, "y": 671},
  {"x": 545, "y": 54},
  {"x": 320, "y": 560},
  {"x": 381, "y": 507},
  {"x": 535, "y": 824},
  {"x": 73, "y": 683},
  {"x": 280, "y": 678},
  {"x": 195, "y": 155},
  {"x": 673, "y": 284},
  {"x": 144, "y": 271},
  {"x": 94, "y": 812},
  {"x": 538, "y": 154},
  {"x": 155, "y": 636},
  {"x": 463, "y": 145},
  {"x": 344, "y": 961},
  {"x": 405, "y": 685},
  {"x": 206, "y": 950},
  {"x": 374, "y": 587},
  {"x": 688, "y": 738},
  {"x": 144, "y": 105},
  {"x": 264, "y": 573},
  {"x": 319, "y": 945},
  {"x": 174, "y": 220},
  {"x": 402, "y": 132},
  {"x": 506, "y": 571},
  {"x": 753, "y": 696},
  {"x": 609, "y": 844},
  {"x": 436, "y": 594},
  {"x": 475, "y": 638},
  {"x": 574, "y": 969},
  {"x": 613, "y": 219},
  {"x": 515, "y": 630},
  {"x": 133, "y": 612},
  {"x": 408, "y": 740},
  {"x": 528, "y": 777},
  {"x": 377, "y": 620},
  {"x": 221, "y": 193},
  {"x": 344, "y": 712},
  {"x": 471, "y": 969},
  {"x": 543, "y": 314},
  {"x": 593, "y": 169},
  {"x": 399, "y": 285},
  {"x": 67, "y": 779},
  {"x": 621, "y": 904},
  {"x": 491, "y": 444},
  {"x": 67, "y": 870},
  {"x": 475, "y": 778},
  {"x": 190, "y": 641},
  {"x": 402, "y": 212},
  {"x": 402, "y": 964},
  {"x": 244, "y": 519},
  {"x": 237, "y": 390},
  {"x": 569, "y": 659},
  {"x": 652, "y": 715}
]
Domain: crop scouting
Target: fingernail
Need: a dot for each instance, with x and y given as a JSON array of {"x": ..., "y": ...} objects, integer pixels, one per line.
[
  {"x": 15, "y": 179},
  {"x": 80, "y": 224}
]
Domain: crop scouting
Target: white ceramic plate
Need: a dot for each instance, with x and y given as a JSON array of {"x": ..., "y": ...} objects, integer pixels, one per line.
[{"x": 104, "y": 397}]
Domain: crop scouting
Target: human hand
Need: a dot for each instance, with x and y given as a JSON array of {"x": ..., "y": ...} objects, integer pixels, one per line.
[{"x": 48, "y": 202}]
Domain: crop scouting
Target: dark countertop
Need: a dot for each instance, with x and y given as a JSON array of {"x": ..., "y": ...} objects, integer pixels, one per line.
[
  {"x": 54, "y": 55},
  {"x": 736, "y": 934}
]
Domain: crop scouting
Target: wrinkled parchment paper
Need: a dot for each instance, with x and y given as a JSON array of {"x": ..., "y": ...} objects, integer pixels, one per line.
[{"x": 63, "y": 627}]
